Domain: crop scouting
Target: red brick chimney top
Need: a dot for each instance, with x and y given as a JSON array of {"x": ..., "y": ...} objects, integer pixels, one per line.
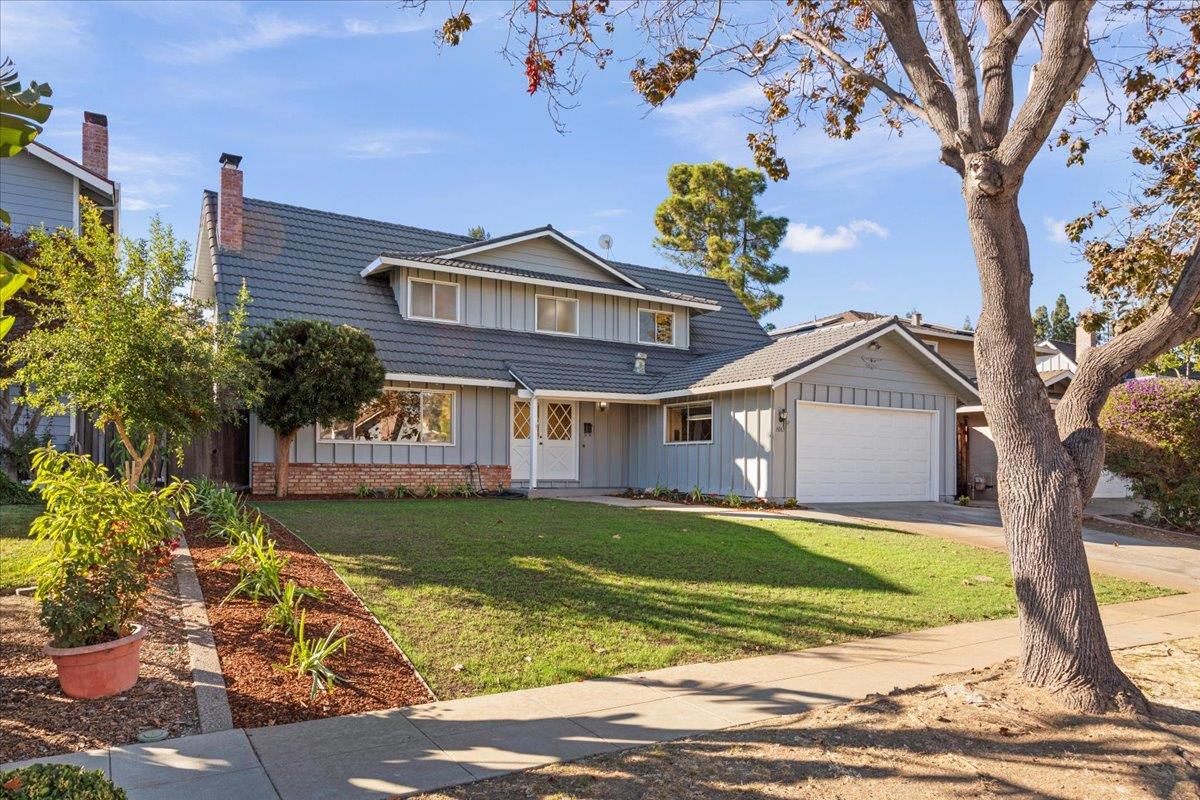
[
  {"x": 95, "y": 143},
  {"x": 230, "y": 211}
]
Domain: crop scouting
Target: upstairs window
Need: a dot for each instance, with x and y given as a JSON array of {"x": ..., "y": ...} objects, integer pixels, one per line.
[
  {"x": 435, "y": 300},
  {"x": 931, "y": 344},
  {"x": 689, "y": 423},
  {"x": 656, "y": 327},
  {"x": 557, "y": 315},
  {"x": 399, "y": 417}
]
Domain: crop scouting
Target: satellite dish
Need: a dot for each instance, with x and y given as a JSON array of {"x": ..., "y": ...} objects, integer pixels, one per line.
[{"x": 606, "y": 242}]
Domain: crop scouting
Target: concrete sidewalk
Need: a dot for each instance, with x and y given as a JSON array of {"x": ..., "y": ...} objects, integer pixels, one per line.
[
  {"x": 1163, "y": 564},
  {"x": 402, "y": 751}
]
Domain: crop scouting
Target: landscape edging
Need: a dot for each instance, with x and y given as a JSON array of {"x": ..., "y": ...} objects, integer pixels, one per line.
[{"x": 212, "y": 699}]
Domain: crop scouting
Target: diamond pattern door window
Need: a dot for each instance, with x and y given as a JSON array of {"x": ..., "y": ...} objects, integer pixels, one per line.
[
  {"x": 520, "y": 423},
  {"x": 558, "y": 422}
]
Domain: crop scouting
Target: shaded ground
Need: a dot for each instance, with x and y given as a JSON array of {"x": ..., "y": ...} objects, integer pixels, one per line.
[
  {"x": 376, "y": 674},
  {"x": 488, "y": 596},
  {"x": 18, "y": 552},
  {"x": 977, "y": 734},
  {"x": 37, "y": 719}
]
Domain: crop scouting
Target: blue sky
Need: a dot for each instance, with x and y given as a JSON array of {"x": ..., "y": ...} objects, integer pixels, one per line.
[{"x": 351, "y": 107}]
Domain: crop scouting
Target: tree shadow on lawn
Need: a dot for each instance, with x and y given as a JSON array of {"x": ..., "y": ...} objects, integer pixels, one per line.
[{"x": 612, "y": 590}]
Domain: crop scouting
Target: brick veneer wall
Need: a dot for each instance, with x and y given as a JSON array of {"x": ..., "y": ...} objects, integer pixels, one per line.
[{"x": 344, "y": 478}]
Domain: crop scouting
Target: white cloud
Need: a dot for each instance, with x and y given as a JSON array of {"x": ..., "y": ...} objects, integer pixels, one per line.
[
  {"x": 30, "y": 30},
  {"x": 863, "y": 286},
  {"x": 400, "y": 143},
  {"x": 1056, "y": 230},
  {"x": 803, "y": 238},
  {"x": 702, "y": 108},
  {"x": 263, "y": 31},
  {"x": 146, "y": 175},
  {"x": 138, "y": 204},
  {"x": 610, "y": 213}
]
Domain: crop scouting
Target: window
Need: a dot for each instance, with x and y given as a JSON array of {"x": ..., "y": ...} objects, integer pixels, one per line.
[
  {"x": 432, "y": 300},
  {"x": 656, "y": 327},
  {"x": 407, "y": 416},
  {"x": 931, "y": 344},
  {"x": 557, "y": 315},
  {"x": 689, "y": 423}
]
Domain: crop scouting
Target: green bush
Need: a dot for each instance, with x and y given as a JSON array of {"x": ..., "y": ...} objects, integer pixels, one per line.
[
  {"x": 109, "y": 543},
  {"x": 1152, "y": 430},
  {"x": 14, "y": 494},
  {"x": 57, "y": 782}
]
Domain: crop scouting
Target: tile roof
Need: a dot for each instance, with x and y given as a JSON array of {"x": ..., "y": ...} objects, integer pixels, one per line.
[
  {"x": 1066, "y": 348},
  {"x": 302, "y": 262}
]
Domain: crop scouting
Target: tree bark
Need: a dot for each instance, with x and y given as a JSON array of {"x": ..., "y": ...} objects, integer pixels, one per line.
[
  {"x": 283, "y": 458},
  {"x": 1041, "y": 494}
]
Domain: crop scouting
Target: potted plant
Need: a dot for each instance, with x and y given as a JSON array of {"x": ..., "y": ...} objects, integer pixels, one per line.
[{"x": 109, "y": 543}]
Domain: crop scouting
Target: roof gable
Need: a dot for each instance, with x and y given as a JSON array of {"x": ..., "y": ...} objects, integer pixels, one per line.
[{"x": 541, "y": 249}]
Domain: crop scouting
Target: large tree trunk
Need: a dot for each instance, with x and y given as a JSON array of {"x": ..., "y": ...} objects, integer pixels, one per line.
[
  {"x": 283, "y": 458},
  {"x": 1041, "y": 488}
]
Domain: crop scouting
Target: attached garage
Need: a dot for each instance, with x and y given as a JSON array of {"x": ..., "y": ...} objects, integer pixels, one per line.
[{"x": 850, "y": 453}]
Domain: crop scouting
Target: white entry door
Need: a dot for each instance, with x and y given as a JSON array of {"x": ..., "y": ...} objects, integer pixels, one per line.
[
  {"x": 848, "y": 454},
  {"x": 558, "y": 453}
]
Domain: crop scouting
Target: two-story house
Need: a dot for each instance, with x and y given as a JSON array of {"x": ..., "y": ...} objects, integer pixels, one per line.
[
  {"x": 41, "y": 187},
  {"x": 530, "y": 361}
]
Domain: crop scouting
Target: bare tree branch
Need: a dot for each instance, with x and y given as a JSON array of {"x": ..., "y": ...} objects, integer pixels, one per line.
[
  {"x": 899, "y": 21},
  {"x": 909, "y": 104},
  {"x": 1066, "y": 59},
  {"x": 1005, "y": 35},
  {"x": 967, "y": 89}
]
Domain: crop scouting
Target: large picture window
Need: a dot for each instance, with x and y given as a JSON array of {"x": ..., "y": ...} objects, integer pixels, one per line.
[
  {"x": 435, "y": 300},
  {"x": 656, "y": 327},
  {"x": 400, "y": 416},
  {"x": 557, "y": 315},
  {"x": 689, "y": 423}
]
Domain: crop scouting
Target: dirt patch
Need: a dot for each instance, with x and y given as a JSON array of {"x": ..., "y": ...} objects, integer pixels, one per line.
[
  {"x": 377, "y": 674},
  {"x": 37, "y": 719},
  {"x": 991, "y": 738}
]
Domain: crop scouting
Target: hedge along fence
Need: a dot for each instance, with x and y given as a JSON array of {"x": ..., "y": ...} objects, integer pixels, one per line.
[
  {"x": 1152, "y": 430},
  {"x": 260, "y": 577}
]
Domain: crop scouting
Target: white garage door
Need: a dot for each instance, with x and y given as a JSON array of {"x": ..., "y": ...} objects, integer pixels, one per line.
[{"x": 860, "y": 454}]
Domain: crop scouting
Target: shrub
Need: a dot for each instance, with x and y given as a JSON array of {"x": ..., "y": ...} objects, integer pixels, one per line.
[
  {"x": 364, "y": 490},
  {"x": 400, "y": 491},
  {"x": 57, "y": 781},
  {"x": 733, "y": 500},
  {"x": 14, "y": 494},
  {"x": 108, "y": 545},
  {"x": 1152, "y": 430},
  {"x": 260, "y": 567},
  {"x": 695, "y": 495},
  {"x": 431, "y": 491}
]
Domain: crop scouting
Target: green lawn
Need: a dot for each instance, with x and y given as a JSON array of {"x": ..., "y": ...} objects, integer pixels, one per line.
[
  {"x": 527, "y": 594},
  {"x": 17, "y": 551}
]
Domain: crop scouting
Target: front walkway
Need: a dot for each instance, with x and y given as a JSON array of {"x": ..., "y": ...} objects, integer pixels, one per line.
[{"x": 401, "y": 751}]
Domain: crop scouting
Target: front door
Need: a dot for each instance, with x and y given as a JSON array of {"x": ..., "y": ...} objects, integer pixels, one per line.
[{"x": 558, "y": 455}]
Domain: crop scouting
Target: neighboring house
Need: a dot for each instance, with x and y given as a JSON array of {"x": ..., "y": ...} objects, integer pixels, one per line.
[
  {"x": 527, "y": 360},
  {"x": 40, "y": 187},
  {"x": 976, "y": 452}
]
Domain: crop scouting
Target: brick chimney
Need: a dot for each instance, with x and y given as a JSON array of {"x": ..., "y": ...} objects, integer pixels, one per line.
[
  {"x": 95, "y": 143},
  {"x": 229, "y": 218},
  {"x": 1084, "y": 341}
]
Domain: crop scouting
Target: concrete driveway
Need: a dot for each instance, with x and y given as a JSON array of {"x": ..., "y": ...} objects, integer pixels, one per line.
[{"x": 1161, "y": 563}]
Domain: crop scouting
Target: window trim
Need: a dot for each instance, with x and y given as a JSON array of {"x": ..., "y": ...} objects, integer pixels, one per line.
[
  {"x": 539, "y": 297},
  {"x": 932, "y": 344},
  {"x": 324, "y": 438},
  {"x": 712, "y": 409},
  {"x": 655, "y": 342},
  {"x": 458, "y": 300}
]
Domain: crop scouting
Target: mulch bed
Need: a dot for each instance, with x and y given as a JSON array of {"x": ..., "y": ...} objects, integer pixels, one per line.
[
  {"x": 37, "y": 719},
  {"x": 377, "y": 674}
]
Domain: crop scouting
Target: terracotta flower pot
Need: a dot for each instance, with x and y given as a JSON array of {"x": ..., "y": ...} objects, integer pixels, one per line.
[{"x": 98, "y": 670}]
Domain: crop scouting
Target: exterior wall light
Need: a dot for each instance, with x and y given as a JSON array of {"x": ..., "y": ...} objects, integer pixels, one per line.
[
  {"x": 783, "y": 415},
  {"x": 603, "y": 405}
]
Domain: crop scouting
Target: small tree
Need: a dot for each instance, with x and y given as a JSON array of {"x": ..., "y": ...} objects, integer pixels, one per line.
[
  {"x": 710, "y": 223},
  {"x": 1153, "y": 433},
  {"x": 310, "y": 370},
  {"x": 113, "y": 337},
  {"x": 478, "y": 232}
]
